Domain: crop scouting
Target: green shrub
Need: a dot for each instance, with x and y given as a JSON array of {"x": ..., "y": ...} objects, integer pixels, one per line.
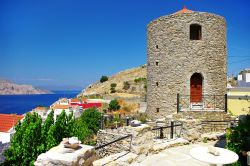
[
  {"x": 126, "y": 85},
  {"x": 114, "y": 105},
  {"x": 205, "y": 139},
  {"x": 138, "y": 80},
  {"x": 92, "y": 118},
  {"x": 112, "y": 87},
  {"x": 142, "y": 117},
  {"x": 104, "y": 78},
  {"x": 238, "y": 138}
]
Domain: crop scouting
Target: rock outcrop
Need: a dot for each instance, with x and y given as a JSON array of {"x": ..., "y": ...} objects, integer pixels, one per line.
[
  {"x": 10, "y": 88},
  {"x": 64, "y": 156}
]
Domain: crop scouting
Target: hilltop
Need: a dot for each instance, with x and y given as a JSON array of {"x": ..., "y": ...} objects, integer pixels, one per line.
[
  {"x": 10, "y": 88},
  {"x": 129, "y": 83}
]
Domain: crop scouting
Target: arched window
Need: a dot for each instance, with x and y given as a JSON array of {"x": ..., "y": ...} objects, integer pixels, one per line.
[{"x": 195, "y": 32}]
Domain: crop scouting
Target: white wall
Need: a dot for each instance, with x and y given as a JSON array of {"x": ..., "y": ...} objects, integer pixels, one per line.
[
  {"x": 247, "y": 77},
  {"x": 4, "y": 137},
  {"x": 239, "y": 77}
]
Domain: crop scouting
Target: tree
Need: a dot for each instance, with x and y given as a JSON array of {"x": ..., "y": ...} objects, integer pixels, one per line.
[
  {"x": 46, "y": 126},
  {"x": 112, "y": 87},
  {"x": 104, "y": 78},
  {"x": 80, "y": 129},
  {"x": 26, "y": 143},
  {"x": 126, "y": 85},
  {"x": 114, "y": 105},
  {"x": 61, "y": 129},
  {"x": 92, "y": 118}
]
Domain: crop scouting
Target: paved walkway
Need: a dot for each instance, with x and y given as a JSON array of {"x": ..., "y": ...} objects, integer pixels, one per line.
[{"x": 177, "y": 156}]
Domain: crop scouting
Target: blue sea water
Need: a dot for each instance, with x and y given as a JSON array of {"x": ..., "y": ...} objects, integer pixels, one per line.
[{"x": 20, "y": 104}]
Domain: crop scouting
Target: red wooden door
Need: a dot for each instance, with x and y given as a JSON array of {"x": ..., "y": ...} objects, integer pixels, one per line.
[{"x": 196, "y": 88}]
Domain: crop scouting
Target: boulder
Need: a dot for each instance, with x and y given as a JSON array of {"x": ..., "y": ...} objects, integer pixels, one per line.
[
  {"x": 135, "y": 123},
  {"x": 60, "y": 155}
]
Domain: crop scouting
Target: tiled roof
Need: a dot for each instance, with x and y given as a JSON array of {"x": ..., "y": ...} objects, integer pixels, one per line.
[
  {"x": 59, "y": 106},
  {"x": 75, "y": 100},
  {"x": 40, "y": 109},
  {"x": 7, "y": 121},
  {"x": 184, "y": 10}
]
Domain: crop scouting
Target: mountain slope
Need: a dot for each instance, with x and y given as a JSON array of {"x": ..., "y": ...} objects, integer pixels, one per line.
[
  {"x": 10, "y": 88},
  {"x": 135, "y": 79}
]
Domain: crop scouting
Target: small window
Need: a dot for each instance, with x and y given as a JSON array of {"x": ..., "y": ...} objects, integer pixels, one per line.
[
  {"x": 156, "y": 46},
  {"x": 148, "y": 64},
  {"x": 157, "y": 110},
  {"x": 157, "y": 84},
  {"x": 195, "y": 32},
  {"x": 156, "y": 63}
]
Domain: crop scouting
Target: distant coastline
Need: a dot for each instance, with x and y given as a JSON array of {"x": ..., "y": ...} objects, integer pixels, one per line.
[{"x": 10, "y": 88}]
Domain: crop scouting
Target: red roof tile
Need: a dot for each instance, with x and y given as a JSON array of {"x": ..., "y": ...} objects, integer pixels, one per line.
[
  {"x": 7, "y": 121},
  {"x": 184, "y": 10}
]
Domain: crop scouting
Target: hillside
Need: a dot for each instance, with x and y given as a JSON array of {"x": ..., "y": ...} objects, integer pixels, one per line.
[
  {"x": 10, "y": 88},
  {"x": 135, "y": 85}
]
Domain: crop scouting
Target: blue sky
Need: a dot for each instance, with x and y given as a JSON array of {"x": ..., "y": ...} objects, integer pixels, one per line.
[{"x": 68, "y": 42}]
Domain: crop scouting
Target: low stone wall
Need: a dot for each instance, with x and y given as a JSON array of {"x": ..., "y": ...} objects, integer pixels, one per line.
[
  {"x": 142, "y": 140},
  {"x": 104, "y": 137}
]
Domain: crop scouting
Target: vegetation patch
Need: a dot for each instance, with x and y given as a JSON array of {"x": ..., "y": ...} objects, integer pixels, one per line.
[
  {"x": 238, "y": 139},
  {"x": 32, "y": 137},
  {"x": 103, "y": 79},
  {"x": 112, "y": 87}
]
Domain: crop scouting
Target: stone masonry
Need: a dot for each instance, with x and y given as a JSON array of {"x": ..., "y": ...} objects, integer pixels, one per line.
[{"x": 172, "y": 59}]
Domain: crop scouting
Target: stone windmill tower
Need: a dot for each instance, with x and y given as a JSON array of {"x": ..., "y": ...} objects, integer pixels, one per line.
[{"x": 186, "y": 56}]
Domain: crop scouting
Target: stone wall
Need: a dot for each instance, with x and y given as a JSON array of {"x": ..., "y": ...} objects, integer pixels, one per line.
[
  {"x": 3, "y": 147},
  {"x": 178, "y": 58},
  {"x": 104, "y": 137},
  {"x": 141, "y": 143}
]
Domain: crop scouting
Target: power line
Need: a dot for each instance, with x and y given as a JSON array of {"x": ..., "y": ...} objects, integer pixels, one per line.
[{"x": 240, "y": 61}]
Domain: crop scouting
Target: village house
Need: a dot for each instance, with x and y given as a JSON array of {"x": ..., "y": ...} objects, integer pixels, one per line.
[
  {"x": 7, "y": 123},
  {"x": 41, "y": 111},
  {"x": 244, "y": 78}
]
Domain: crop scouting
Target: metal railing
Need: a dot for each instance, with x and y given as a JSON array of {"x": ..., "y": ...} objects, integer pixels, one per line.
[
  {"x": 106, "y": 149},
  {"x": 207, "y": 102},
  {"x": 168, "y": 132}
]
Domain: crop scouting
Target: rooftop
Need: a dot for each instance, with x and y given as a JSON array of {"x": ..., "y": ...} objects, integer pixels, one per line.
[
  {"x": 184, "y": 10},
  {"x": 7, "y": 121}
]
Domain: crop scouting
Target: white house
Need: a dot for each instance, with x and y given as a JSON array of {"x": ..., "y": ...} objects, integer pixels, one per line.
[
  {"x": 244, "y": 78},
  {"x": 7, "y": 123}
]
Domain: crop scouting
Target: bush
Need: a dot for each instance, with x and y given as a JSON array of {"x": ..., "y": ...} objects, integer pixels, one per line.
[
  {"x": 114, "y": 105},
  {"x": 104, "y": 78},
  {"x": 138, "y": 80},
  {"x": 112, "y": 87},
  {"x": 238, "y": 139},
  {"x": 92, "y": 118},
  {"x": 126, "y": 85},
  {"x": 142, "y": 117}
]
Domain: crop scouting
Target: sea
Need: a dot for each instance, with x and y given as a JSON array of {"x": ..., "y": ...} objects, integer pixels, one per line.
[{"x": 20, "y": 104}]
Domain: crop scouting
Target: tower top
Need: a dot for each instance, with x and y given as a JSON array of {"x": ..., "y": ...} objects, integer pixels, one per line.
[{"x": 184, "y": 10}]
